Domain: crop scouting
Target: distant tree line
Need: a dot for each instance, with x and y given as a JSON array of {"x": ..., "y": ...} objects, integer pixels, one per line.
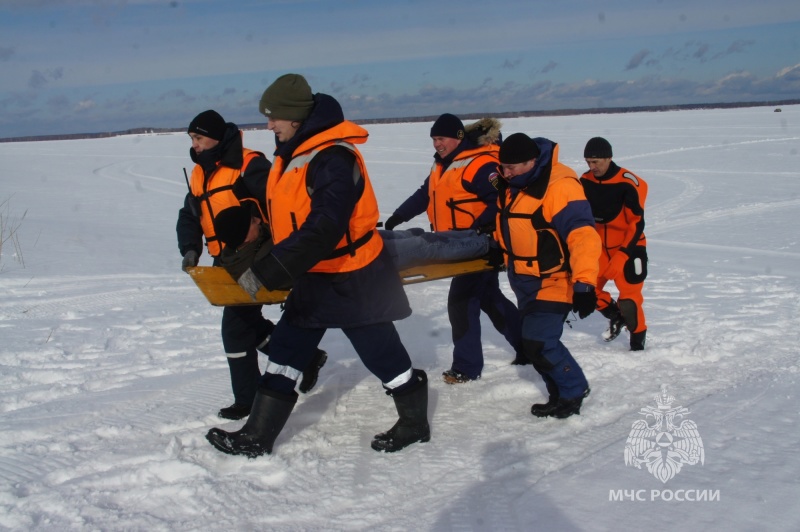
[
  {"x": 593, "y": 111},
  {"x": 431, "y": 118},
  {"x": 76, "y": 136}
]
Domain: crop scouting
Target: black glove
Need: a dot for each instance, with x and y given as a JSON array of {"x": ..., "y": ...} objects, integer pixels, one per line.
[
  {"x": 495, "y": 256},
  {"x": 190, "y": 260},
  {"x": 584, "y": 303},
  {"x": 487, "y": 229},
  {"x": 392, "y": 222}
]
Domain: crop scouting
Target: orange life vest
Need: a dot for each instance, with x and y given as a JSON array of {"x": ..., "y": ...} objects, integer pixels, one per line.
[
  {"x": 215, "y": 194},
  {"x": 450, "y": 205},
  {"x": 533, "y": 244},
  {"x": 289, "y": 200},
  {"x": 525, "y": 232}
]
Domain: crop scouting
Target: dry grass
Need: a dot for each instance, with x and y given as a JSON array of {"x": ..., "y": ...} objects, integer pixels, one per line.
[{"x": 9, "y": 241}]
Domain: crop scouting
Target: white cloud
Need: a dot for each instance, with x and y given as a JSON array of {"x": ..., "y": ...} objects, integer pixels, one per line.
[{"x": 791, "y": 73}]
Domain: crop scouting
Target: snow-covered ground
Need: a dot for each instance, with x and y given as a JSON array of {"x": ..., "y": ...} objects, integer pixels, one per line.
[{"x": 111, "y": 367}]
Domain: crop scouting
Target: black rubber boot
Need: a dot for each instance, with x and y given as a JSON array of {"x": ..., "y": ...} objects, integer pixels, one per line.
[
  {"x": 267, "y": 418},
  {"x": 560, "y": 408},
  {"x": 567, "y": 407},
  {"x": 412, "y": 427},
  {"x": 235, "y": 411},
  {"x": 637, "y": 340},
  {"x": 311, "y": 373},
  {"x": 545, "y": 409}
]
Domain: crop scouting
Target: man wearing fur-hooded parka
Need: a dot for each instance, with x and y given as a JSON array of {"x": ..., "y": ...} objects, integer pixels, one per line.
[{"x": 460, "y": 194}]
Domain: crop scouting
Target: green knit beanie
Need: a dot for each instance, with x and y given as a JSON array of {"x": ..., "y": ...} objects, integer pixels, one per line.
[{"x": 288, "y": 98}]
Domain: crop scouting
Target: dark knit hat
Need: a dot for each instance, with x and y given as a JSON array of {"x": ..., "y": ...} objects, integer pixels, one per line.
[
  {"x": 597, "y": 148},
  {"x": 288, "y": 98},
  {"x": 232, "y": 225},
  {"x": 449, "y": 126},
  {"x": 209, "y": 124},
  {"x": 518, "y": 148}
]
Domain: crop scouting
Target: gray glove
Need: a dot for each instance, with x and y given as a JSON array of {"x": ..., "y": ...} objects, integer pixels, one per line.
[
  {"x": 190, "y": 260},
  {"x": 250, "y": 283}
]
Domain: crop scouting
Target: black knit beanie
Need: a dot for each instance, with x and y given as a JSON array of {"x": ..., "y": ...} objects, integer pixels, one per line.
[
  {"x": 597, "y": 148},
  {"x": 232, "y": 225},
  {"x": 288, "y": 98},
  {"x": 518, "y": 148},
  {"x": 209, "y": 124},
  {"x": 449, "y": 126}
]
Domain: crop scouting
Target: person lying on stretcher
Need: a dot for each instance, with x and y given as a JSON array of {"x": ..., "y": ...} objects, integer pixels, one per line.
[{"x": 247, "y": 238}]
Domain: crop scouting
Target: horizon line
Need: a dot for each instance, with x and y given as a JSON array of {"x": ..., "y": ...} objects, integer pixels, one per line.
[{"x": 429, "y": 118}]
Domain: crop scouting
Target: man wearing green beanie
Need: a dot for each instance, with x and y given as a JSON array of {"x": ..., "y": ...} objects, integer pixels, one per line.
[
  {"x": 288, "y": 98},
  {"x": 323, "y": 215}
]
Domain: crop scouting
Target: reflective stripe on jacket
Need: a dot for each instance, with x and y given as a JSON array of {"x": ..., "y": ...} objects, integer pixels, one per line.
[
  {"x": 215, "y": 194},
  {"x": 450, "y": 205},
  {"x": 289, "y": 200}
]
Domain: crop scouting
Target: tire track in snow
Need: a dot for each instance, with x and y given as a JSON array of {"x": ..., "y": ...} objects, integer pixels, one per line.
[
  {"x": 602, "y": 424},
  {"x": 724, "y": 145},
  {"x": 660, "y": 214},
  {"x": 129, "y": 177},
  {"x": 143, "y": 406},
  {"x": 345, "y": 458},
  {"x": 718, "y": 214},
  {"x": 551, "y": 446},
  {"x": 95, "y": 294}
]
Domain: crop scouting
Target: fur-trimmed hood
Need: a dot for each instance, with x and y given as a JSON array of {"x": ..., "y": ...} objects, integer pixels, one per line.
[{"x": 484, "y": 132}]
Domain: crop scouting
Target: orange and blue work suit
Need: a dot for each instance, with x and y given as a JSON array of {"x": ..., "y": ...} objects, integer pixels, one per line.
[
  {"x": 545, "y": 228},
  {"x": 617, "y": 199}
]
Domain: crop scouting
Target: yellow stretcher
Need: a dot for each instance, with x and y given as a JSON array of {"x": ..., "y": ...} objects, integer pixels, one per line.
[{"x": 222, "y": 291}]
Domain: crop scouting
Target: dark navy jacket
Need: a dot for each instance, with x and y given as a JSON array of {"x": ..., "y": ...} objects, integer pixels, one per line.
[{"x": 370, "y": 295}]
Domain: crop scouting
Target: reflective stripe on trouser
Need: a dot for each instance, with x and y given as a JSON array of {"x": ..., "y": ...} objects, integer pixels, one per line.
[
  {"x": 541, "y": 333},
  {"x": 469, "y": 295},
  {"x": 292, "y": 348}
]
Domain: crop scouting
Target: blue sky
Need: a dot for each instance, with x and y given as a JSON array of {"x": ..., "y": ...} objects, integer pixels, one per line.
[{"x": 75, "y": 66}]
